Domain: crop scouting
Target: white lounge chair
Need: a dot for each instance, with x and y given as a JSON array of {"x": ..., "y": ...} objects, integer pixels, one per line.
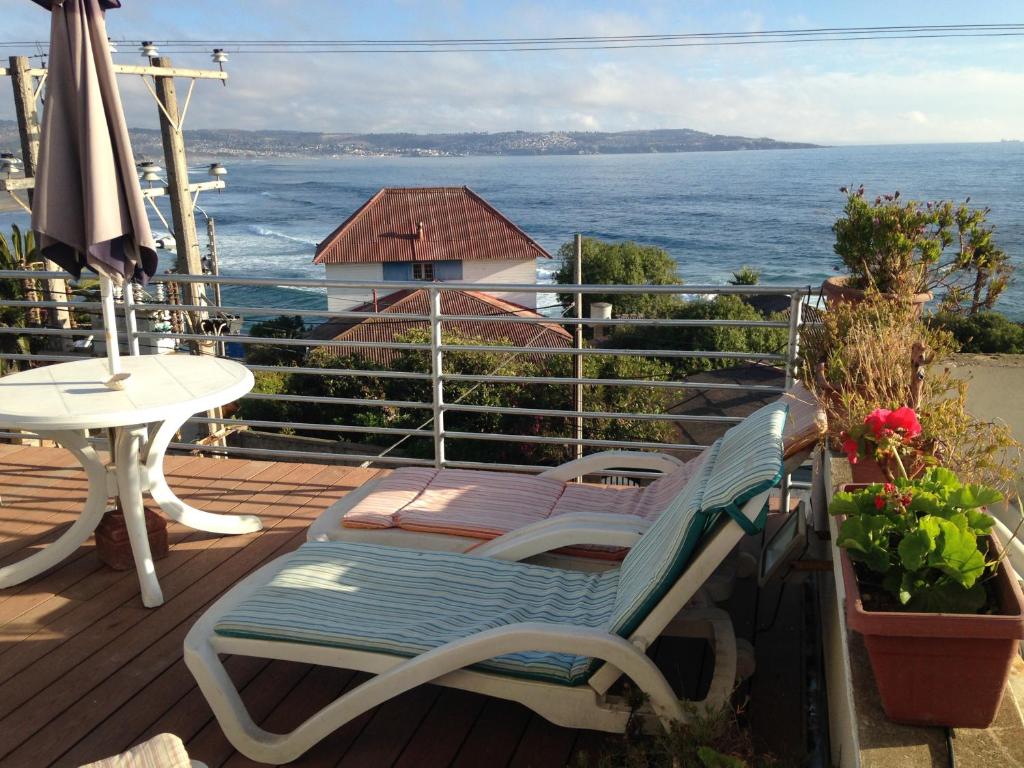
[
  {"x": 454, "y": 510},
  {"x": 555, "y": 640}
]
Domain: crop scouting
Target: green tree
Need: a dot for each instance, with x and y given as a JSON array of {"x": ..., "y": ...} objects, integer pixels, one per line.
[
  {"x": 281, "y": 327},
  {"x": 18, "y": 251},
  {"x": 746, "y": 276},
  {"x": 625, "y": 263}
]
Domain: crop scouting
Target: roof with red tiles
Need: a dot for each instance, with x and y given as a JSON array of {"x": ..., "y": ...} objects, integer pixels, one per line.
[
  {"x": 458, "y": 224},
  {"x": 381, "y": 329}
]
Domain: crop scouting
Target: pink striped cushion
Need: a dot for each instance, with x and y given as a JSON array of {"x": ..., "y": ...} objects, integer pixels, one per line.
[
  {"x": 164, "y": 750},
  {"x": 480, "y": 503},
  {"x": 392, "y": 493}
]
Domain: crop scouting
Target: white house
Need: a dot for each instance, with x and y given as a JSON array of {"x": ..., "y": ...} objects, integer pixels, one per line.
[{"x": 434, "y": 234}]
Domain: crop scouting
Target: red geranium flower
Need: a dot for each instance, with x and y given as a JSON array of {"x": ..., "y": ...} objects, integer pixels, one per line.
[
  {"x": 906, "y": 420},
  {"x": 878, "y": 420},
  {"x": 850, "y": 446},
  {"x": 879, "y": 502}
]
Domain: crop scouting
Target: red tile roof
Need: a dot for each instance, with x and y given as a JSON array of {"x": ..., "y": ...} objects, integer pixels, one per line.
[
  {"x": 458, "y": 224},
  {"x": 380, "y": 329}
]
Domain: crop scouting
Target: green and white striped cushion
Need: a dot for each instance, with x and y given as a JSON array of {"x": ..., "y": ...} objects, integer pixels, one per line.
[
  {"x": 749, "y": 462},
  {"x": 745, "y": 462},
  {"x": 661, "y": 555},
  {"x": 405, "y": 602}
]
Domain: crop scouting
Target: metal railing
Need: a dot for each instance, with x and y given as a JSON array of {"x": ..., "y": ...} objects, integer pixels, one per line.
[{"x": 445, "y": 402}]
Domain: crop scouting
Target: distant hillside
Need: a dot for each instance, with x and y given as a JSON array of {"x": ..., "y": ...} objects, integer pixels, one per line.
[{"x": 225, "y": 142}]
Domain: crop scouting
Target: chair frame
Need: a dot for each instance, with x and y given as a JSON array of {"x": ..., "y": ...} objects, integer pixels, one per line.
[{"x": 589, "y": 705}]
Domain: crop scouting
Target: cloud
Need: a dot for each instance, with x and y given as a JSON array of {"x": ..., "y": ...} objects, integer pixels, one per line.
[{"x": 929, "y": 91}]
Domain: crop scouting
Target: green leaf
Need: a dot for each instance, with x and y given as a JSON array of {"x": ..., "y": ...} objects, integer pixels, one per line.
[
  {"x": 925, "y": 503},
  {"x": 943, "y": 477},
  {"x": 974, "y": 496},
  {"x": 956, "y": 554},
  {"x": 980, "y": 522},
  {"x": 915, "y": 548},
  {"x": 843, "y": 503},
  {"x": 712, "y": 758},
  {"x": 947, "y": 597}
]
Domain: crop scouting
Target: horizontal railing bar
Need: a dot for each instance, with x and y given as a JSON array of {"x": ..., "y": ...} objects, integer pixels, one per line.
[
  {"x": 507, "y": 410},
  {"x": 339, "y": 372},
  {"x": 292, "y": 311},
  {"x": 650, "y": 322},
  {"x": 8, "y": 330},
  {"x": 282, "y": 342},
  {"x": 590, "y": 442},
  {"x": 396, "y": 285},
  {"x": 314, "y": 427},
  {"x": 475, "y": 377},
  {"x": 51, "y": 304},
  {"x": 230, "y": 450},
  {"x": 611, "y": 351},
  {"x": 336, "y": 400}
]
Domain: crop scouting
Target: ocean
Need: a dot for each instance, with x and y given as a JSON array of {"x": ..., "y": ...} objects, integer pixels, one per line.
[{"x": 714, "y": 212}]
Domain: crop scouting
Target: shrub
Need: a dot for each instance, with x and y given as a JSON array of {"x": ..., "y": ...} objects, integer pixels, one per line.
[
  {"x": 989, "y": 332},
  {"x": 707, "y": 338},
  {"x": 746, "y": 276},
  {"x": 898, "y": 248}
]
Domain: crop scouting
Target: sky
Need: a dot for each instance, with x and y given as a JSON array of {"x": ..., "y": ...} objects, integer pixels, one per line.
[{"x": 864, "y": 92}]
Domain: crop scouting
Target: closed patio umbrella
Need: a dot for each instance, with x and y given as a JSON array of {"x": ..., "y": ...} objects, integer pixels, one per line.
[{"x": 88, "y": 207}]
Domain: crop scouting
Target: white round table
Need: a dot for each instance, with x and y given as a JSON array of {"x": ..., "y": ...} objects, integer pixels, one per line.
[{"x": 59, "y": 402}]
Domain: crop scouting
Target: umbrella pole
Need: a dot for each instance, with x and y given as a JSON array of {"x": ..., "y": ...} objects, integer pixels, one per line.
[{"x": 117, "y": 377}]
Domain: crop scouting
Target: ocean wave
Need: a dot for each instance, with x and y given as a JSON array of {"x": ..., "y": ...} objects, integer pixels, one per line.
[{"x": 256, "y": 229}]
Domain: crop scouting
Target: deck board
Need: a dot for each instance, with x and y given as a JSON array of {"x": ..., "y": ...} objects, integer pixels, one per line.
[{"x": 86, "y": 671}]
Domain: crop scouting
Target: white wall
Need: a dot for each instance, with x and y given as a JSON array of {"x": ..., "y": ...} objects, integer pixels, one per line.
[
  {"x": 505, "y": 271},
  {"x": 342, "y": 299}
]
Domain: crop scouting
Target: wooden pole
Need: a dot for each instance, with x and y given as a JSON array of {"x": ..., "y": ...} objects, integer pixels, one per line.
[
  {"x": 190, "y": 259},
  {"x": 28, "y": 127},
  {"x": 578, "y": 341}
]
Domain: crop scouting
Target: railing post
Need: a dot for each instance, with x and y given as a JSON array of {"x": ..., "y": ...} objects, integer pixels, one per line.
[
  {"x": 131, "y": 325},
  {"x": 577, "y": 335},
  {"x": 796, "y": 304},
  {"x": 436, "y": 366}
]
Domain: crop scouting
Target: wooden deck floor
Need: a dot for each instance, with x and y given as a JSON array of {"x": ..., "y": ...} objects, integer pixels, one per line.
[{"x": 86, "y": 671}]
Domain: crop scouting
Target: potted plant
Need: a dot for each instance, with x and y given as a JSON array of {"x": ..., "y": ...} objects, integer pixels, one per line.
[
  {"x": 927, "y": 585},
  {"x": 883, "y": 445},
  {"x": 907, "y": 250}
]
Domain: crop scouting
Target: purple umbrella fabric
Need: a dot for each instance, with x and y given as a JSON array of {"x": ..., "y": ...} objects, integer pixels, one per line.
[{"x": 88, "y": 207}]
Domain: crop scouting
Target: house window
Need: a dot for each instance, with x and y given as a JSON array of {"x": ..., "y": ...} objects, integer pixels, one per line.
[{"x": 423, "y": 271}]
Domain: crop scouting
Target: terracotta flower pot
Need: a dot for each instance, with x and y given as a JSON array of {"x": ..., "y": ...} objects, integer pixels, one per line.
[
  {"x": 836, "y": 291},
  {"x": 940, "y": 669}
]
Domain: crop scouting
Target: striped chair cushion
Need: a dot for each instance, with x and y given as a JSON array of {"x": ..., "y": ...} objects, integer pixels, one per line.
[
  {"x": 745, "y": 462},
  {"x": 480, "y": 503},
  {"x": 392, "y": 493},
  {"x": 165, "y": 750},
  {"x": 748, "y": 462},
  {"x": 661, "y": 555},
  {"x": 405, "y": 602}
]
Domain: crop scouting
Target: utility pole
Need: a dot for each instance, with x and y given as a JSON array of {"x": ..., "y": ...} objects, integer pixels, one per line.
[
  {"x": 190, "y": 260},
  {"x": 578, "y": 339},
  {"x": 28, "y": 128}
]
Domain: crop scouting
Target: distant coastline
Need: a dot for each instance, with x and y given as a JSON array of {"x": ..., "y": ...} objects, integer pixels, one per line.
[{"x": 230, "y": 142}]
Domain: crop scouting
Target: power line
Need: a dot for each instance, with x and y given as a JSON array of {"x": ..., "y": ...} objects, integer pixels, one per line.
[{"x": 605, "y": 42}]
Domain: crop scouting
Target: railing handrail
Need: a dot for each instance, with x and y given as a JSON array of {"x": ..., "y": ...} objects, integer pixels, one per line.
[{"x": 438, "y": 348}]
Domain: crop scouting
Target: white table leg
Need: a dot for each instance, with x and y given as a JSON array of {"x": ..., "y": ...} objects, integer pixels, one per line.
[
  {"x": 174, "y": 507},
  {"x": 128, "y": 444},
  {"x": 70, "y": 540}
]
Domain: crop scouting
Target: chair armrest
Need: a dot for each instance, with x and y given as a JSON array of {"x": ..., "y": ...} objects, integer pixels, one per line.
[
  {"x": 568, "y": 530},
  {"x": 596, "y": 462}
]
